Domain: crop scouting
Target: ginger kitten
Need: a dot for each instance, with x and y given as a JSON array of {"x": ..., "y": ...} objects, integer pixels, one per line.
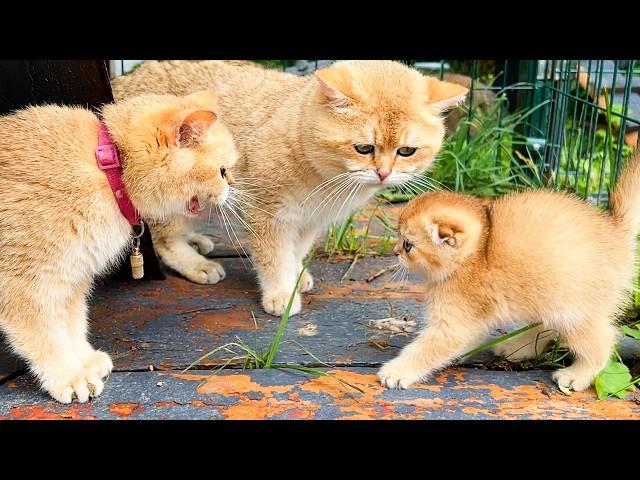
[
  {"x": 60, "y": 224},
  {"x": 536, "y": 256},
  {"x": 312, "y": 149}
]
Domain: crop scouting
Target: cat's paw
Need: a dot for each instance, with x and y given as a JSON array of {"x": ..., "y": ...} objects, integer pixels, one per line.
[
  {"x": 276, "y": 303},
  {"x": 202, "y": 243},
  {"x": 399, "y": 373},
  {"x": 306, "y": 282},
  {"x": 81, "y": 383},
  {"x": 573, "y": 378},
  {"x": 100, "y": 363},
  {"x": 205, "y": 272}
]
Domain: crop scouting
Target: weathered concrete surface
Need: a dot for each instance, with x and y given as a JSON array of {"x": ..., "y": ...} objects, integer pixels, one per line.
[
  {"x": 348, "y": 323},
  {"x": 274, "y": 394}
]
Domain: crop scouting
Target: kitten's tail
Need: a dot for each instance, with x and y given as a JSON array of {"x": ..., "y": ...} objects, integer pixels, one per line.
[{"x": 624, "y": 203}]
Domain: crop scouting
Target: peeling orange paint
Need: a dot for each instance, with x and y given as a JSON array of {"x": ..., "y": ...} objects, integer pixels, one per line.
[
  {"x": 231, "y": 384},
  {"x": 40, "y": 412},
  {"x": 363, "y": 290},
  {"x": 266, "y": 408},
  {"x": 221, "y": 322},
  {"x": 124, "y": 410}
]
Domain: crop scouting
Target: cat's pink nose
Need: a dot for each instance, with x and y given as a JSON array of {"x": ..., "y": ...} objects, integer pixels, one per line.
[{"x": 383, "y": 173}]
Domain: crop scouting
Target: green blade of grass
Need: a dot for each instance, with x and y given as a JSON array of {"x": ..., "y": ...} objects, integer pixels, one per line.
[
  {"x": 498, "y": 340},
  {"x": 275, "y": 345}
]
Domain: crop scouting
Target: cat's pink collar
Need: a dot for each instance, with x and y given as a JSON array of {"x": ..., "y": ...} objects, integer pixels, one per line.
[{"x": 109, "y": 163}]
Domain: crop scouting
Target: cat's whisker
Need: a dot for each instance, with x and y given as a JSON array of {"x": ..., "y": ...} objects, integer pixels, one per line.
[
  {"x": 227, "y": 221},
  {"x": 237, "y": 204},
  {"x": 335, "y": 192},
  {"x": 246, "y": 225},
  {"x": 240, "y": 243},
  {"x": 245, "y": 202},
  {"x": 324, "y": 185},
  {"x": 339, "y": 194},
  {"x": 336, "y": 196},
  {"x": 349, "y": 199}
]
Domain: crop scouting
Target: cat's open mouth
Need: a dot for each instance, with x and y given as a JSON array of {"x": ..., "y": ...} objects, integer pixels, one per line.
[{"x": 194, "y": 206}]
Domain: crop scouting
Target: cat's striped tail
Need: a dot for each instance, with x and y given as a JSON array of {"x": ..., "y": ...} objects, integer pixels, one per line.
[{"x": 625, "y": 200}]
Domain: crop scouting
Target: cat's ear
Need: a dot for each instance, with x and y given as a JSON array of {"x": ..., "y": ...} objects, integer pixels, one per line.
[
  {"x": 205, "y": 99},
  {"x": 444, "y": 234},
  {"x": 336, "y": 86},
  {"x": 194, "y": 126},
  {"x": 444, "y": 95}
]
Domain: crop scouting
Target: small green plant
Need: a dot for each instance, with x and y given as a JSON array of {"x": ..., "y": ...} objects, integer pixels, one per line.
[
  {"x": 253, "y": 359},
  {"x": 347, "y": 239}
]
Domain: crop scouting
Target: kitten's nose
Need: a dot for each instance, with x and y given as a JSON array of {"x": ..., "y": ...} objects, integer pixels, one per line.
[
  {"x": 396, "y": 249},
  {"x": 383, "y": 173}
]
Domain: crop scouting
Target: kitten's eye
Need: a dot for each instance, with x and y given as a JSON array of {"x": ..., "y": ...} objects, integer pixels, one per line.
[
  {"x": 364, "y": 149},
  {"x": 223, "y": 172},
  {"x": 407, "y": 245},
  {"x": 406, "y": 151}
]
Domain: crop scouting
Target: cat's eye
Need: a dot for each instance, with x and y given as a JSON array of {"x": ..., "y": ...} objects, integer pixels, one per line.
[
  {"x": 407, "y": 245},
  {"x": 406, "y": 151},
  {"x": 223, "y": 172},
  {"x": 364, "y": 149}
]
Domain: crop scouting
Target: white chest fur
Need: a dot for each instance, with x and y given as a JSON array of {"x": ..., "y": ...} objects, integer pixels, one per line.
[{"x": 98, "y": 245}]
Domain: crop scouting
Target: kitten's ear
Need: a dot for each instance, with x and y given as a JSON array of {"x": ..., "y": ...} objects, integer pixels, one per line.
[
  {"x": 194, "y": 126},
  {"x": 444, "y": 233},
  {"x": 444, "y": 95},
  {"x": 205, "y": 99},
  {"x": 336, "y": 86}
]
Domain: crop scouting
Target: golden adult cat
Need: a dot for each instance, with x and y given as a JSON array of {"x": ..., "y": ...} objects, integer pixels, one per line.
[
  {"x": 537, "y": 257},
  {"x": 312, "y": 148},
  {"x": 60, "y": 224}
]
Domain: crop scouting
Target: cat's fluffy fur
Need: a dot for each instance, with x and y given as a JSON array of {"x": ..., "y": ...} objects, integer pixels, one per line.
[
  {"x": 296, "y": 137},
  {"x": 535, "y": 257},
  {"x": 60, "y": 225}
]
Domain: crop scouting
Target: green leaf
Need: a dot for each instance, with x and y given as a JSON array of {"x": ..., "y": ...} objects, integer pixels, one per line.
[
  {"x": 632, "y": 332},
  {"x": 614, "y": 379}
]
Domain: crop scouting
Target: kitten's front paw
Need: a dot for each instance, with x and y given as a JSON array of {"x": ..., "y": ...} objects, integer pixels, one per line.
[
  {"x": 398, "y": 373},
  {"x": 83, "y": 383},
  {"x": 276, "y": 303},
  {"x": 202, "y": 243},
  {"x": 573, "y": 379},
  {"x": 205, "y": 272},
  {"x": 306, "y": 282}
]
